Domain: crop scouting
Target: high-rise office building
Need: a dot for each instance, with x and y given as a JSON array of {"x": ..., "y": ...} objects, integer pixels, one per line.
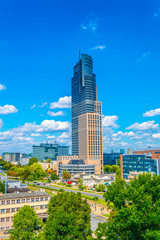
[{"x": 87, "y": 135}]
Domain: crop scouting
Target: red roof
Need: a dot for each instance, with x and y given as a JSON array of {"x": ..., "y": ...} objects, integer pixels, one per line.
[{"x": 69, "y": 182}]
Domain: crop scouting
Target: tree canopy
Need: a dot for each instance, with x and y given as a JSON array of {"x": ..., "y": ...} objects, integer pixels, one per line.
[
  {"x": 25, "y": 223},
  {"x": 66, "y": 175},
  {"x": 135, "y": 210},
  {"x": 54, "y": 176},
  {"x": 110, "y": 168},
  {"x": 2, "y": 186},
  {"x": 32, "y": 160},
  {"x": 69, "y": 217}
]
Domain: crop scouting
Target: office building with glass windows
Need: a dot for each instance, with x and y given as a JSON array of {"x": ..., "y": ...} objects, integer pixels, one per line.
[
  {"x": 138, "y": 163},
  {"x": 87, "y": 142},
  {"x": 51, "y": 151}
]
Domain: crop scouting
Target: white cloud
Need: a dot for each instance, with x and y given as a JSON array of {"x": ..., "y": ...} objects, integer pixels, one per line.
[
  {"x": 55, "y": 114},
  {"x": 1, "y": 123},
  {"x": 100, "y": 47},
  {"x": 36, "y": 135},
  {"x": 44, "y": 104},
  {"x": 156, "y": 135},
  {"x": 152, "y": 113},
  {"x": 7, "y": 109},
  {"x": 150, "y": 125},
  {"x": 109, "y": 121},
  {"x": 2, "y": 87},
  {"x": 51, "y": 137},
  {"x": 33, "y": 106},
  {"x": 144, "y": 55},
  {"x": 91, "y": 25},
  {"x": 63, "y": 102},
  {"x": 51, "y": 126}
]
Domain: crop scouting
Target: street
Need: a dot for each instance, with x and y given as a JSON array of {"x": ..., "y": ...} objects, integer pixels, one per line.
[
  {"x": 95, "y": 219},
  {"x": 75, "y": 191}
]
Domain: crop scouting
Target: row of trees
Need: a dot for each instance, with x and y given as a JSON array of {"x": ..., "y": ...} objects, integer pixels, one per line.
[
  {"x": 68, "y": 218},
  {"x": 28, "y": 172}
]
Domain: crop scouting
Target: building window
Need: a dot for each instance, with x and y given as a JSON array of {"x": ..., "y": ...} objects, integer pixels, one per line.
[
  {"x": 2, "y": 228},
  {"x": 2, "y": 210},
  {"x": 37, "y": 199},
  {"x": 13, "y": 201},
  {"x": 18, "y": 209},
  {"x": 23, "y": 200},
  {"x": 46, "y": 198},
  {"x": 46, "y": 206},
  {"x": 7, "y": 210},
  {"x": 18, "y": 200},
  {"x": 13, "y": 210},
  {"x": 41, "y": 207},
  {"x": 28, "y": 200},
  {"x": 32, "y": 199},
  {"x": 32, "y": 207},
  {"x": 7, "y": 219},
  {"x": 8, "y": 201},
  {"x": 7, "y": 228},
  {"x": 2, "y": 202},
  {"x": 2, "y": 219},
  {"x": 41, "y": 198}
]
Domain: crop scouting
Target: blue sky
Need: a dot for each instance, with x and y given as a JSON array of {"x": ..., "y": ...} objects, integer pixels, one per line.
[{"x": 38, "y": 49}]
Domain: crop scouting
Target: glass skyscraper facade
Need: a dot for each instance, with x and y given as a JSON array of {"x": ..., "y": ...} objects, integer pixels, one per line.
[
  {"x": 83, "y": 95},
  {"x": 87, "y": 136}
]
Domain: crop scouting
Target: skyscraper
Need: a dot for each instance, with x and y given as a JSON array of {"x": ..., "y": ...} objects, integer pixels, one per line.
[{"x": 87, "y": 134}]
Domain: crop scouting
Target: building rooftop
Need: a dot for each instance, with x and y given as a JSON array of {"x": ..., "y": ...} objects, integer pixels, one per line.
[{"x": 22, "y": 195}]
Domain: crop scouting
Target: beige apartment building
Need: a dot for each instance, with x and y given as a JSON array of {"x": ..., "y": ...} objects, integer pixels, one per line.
[
  {"x": 91, "y": 138},
  {"x": 10, "y": 203}
]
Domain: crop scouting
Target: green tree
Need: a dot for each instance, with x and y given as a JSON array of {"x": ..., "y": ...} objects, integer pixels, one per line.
[
  {"x": 69, "y": 217},
  {"x": 80, "y": 184},
  {"x": 110, "y": 168},
  {"x": 32, "y": 160},
  {"x": 135, "y": 210},
  {"x": 54, "y": 176},
  {"x": 66, "y": 175},
  {"x": 2, "y": 186},
  {"x": 100, "y": 188},
  {"x": 25, "y": 223},
  {"x": 48, "y": 160},
  {"x": 36, "y": 171}
]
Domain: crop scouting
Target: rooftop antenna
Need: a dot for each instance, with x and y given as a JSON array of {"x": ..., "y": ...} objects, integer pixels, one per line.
[{"x": 79, "y": 51}]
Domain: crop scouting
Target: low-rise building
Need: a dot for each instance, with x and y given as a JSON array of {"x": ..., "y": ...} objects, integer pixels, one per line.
[
  {"x": 10, "y": 203},
  {"x": 153, "y": 153},
  {"x": 138, "y": 163},
  {"x": 24, "y": 161},
  {"x": 92, "y": 180},
  {"x": 74, "y": 165},
  {"x": 51, "y": 167}
]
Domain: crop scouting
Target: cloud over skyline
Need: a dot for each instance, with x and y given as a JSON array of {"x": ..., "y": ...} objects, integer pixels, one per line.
[
  {"x": 56, "y": 114},
  {"x": 63, "y": 102},
  {"x": 99, "y": 47}
]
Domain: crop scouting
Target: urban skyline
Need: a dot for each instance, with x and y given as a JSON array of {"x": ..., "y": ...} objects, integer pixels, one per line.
[{"x": 35, "y": 84}]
